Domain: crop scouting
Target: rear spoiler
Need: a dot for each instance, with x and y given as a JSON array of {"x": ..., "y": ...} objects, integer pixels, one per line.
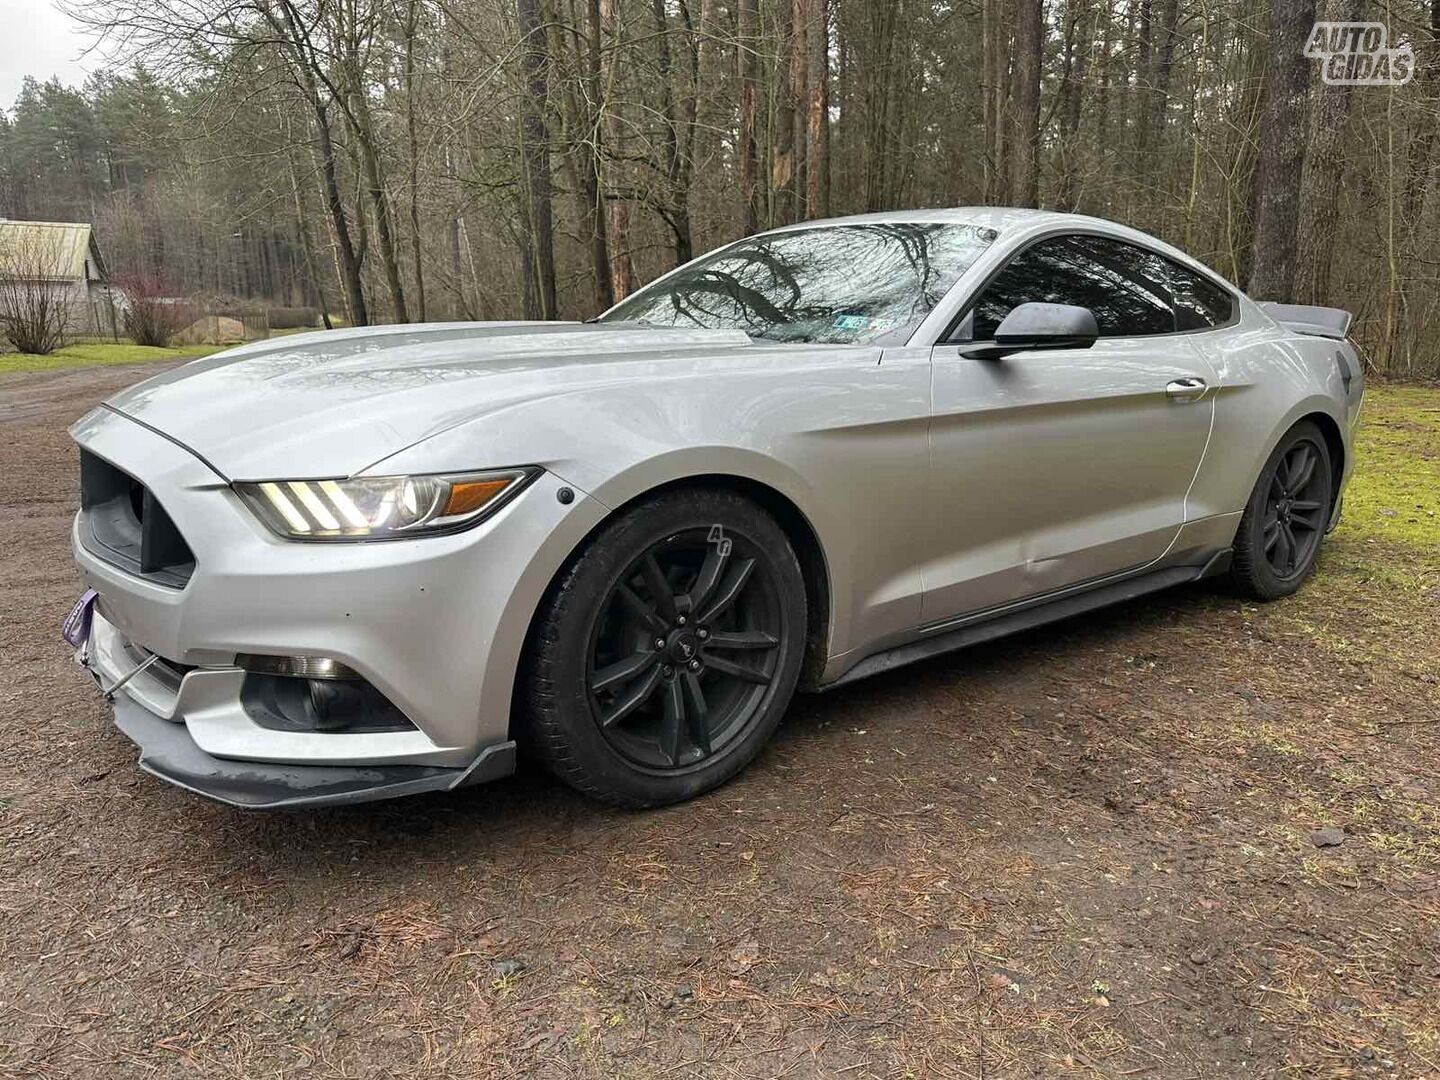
[{"x": 1326, "y": 322}]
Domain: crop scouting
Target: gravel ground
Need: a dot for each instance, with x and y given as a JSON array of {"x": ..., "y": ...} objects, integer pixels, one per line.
[{"x": 1099, "y": 849}]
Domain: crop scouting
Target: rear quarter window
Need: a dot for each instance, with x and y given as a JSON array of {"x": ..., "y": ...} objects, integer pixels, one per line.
[{"x": 1199, "y": 303}]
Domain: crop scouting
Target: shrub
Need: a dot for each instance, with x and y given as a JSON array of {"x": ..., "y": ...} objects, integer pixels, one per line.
[
  {"x": 34, "y": 292},
  {"x": 152, "y": 315}
]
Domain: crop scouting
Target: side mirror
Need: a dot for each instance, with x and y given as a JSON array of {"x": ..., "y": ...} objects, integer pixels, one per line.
[{"x": 1038, "y": 326}]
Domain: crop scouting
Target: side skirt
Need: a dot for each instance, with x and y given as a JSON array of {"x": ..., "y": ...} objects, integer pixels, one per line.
[{"x": 1036, "y": 614}]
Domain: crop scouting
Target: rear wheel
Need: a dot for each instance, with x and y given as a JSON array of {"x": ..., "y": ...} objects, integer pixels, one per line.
[
  {"x": 1278, "y": 540},
  {"x": 664, "y": 656}
]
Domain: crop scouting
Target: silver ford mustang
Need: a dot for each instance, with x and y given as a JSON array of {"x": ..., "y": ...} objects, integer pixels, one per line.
[{"x": 359, "y": 564}]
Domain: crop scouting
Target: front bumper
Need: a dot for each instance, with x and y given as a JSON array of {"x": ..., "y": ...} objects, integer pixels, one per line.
[
  {"x": 167, "y": 751},
  {"x": 436, "y": 625},
  {"x": 161, "y": 713}
]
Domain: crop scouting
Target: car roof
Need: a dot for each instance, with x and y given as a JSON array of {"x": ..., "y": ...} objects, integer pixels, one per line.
[
  {"x": 1005, "y": 219},
  {"x": 998, "y": 218}
]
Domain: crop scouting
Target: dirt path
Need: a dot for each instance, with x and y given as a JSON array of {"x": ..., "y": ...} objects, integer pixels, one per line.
[{"x": 1086, "y": 852}]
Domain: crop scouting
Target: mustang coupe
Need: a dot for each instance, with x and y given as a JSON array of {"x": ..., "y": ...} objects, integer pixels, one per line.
[{"x": 360, "y": 564}]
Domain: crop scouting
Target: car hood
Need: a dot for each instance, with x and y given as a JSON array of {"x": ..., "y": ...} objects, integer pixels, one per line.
[{"x": 332, "y": 404}]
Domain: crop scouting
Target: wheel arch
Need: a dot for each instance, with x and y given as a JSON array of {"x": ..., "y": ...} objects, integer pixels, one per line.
[
  {"x": 804, "y": 539},
  {"x": 1335, "y": 443},
  {"x": 803, "y": 536},
  {"x": 1334, "y": 437}
]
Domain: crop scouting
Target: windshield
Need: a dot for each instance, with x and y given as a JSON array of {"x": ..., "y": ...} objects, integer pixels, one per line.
[{"x": 836, "y": 284}]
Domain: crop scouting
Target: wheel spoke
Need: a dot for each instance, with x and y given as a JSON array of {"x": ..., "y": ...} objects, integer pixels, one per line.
[
  {"x": 647, "y": 614},
  {"x": 730, "y": 588},
  {"x": 705, "y": 581},
  {"x": 697, "y": 713},
  {"x": 672, "y": 722},
  {"x": 736, "y": 671},
  {"x": 623, "y": 670},
  {"x": 745, "y": 639},
  {"x": 684, "y": 653},
  {"x": 1271, "y": 533},
  {"x": 1304, "y": 519},
  {"x": 1291, "y": 548},
  {"x": 633, "y": 698},
  {"x": 1284, "y": 551},
  {"x": 659, "y": 586},
  {"x": 1302, "y": 468}
]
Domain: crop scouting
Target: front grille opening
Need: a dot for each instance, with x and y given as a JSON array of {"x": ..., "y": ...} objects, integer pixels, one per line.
[
  {"x": 123, "y": 523},
  {"x": 287, "y": 703}
]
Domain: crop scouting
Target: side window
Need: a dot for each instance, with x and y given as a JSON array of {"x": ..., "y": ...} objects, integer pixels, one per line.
[
  {"x": 1121, "y": 284},
  {"x": 1199, "y": 303}
]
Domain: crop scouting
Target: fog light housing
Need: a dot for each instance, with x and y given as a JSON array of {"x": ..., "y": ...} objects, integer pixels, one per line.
[
  {"x": 331, "y": 704},
  {"x": 296, "y": 667}
]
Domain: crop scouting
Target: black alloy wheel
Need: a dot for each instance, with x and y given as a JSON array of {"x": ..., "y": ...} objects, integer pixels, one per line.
[
  {"x": 686, "y": 643},
  {"x": 1278, "y": 541},
  {"x": 665, "y": 654},
  {"x": 1295, "y": 510}
]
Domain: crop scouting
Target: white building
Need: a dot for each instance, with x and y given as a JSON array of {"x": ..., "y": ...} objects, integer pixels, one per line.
[{"x": 60, "y": 256}]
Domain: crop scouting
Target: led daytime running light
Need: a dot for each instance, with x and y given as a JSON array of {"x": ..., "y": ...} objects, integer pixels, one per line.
[{"x": 375, "y": 508}]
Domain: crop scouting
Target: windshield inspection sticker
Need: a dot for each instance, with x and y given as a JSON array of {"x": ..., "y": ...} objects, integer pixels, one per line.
[{"x": 853, "y": 322}]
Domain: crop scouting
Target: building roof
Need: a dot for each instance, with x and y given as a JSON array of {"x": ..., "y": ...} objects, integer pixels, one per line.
[{"x": 59, "y": 247}]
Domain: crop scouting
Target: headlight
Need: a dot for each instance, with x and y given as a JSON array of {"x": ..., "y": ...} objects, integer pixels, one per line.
[{"x": 381, "y": 507}]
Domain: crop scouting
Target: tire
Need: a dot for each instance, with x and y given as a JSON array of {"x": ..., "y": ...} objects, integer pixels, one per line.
[
  {"x": 1287, "y": 513},
  {"x": 641, "y": 701}
]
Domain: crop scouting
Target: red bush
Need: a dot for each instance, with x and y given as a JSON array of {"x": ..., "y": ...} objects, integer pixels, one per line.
[{"x": 153, "y": 314}]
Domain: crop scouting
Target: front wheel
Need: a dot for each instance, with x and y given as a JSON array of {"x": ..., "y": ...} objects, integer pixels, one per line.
[
  {"x": 664, "y": 656},
  {"x": 1278, "y": 540}
]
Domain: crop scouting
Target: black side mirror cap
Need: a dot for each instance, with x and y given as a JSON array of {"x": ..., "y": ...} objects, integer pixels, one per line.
[{"x": 1038, "y": 326}]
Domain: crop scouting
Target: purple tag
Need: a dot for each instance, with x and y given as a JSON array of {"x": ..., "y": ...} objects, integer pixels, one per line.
[{"x": 76, "y": 627}]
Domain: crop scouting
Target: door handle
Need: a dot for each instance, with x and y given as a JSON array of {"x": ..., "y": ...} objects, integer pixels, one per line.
[{"x": 1189, "y": 388}]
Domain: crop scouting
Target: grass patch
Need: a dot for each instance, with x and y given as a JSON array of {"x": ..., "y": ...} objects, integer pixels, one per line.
[
  {"x": 1394, "y": 495},
  {"x": 1379, "y": 575},
  {"x": 88, "y": 355}
]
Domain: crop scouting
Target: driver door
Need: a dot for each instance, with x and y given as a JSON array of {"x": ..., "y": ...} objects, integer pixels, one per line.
[{"x": 1053, "y": 468}]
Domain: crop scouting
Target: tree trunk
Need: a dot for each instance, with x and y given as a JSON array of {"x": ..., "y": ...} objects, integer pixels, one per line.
[
  {"x": 350, "y": 260},
  {"x": 817, "y": 157},
  {"x": 1102, "y": 91},
  {"x": 1025, "y": 185},
  {"x": 1162, "y": 73},
  {"x": 591, "y": 196},
  {"x": 1072, "y": 91},
  {"x": 1321, "y": 178},
  {"x": 1142, "y": 15},
  {"x": 881, "y": 73},
  {"x": 363, "y": 128},
  {"x": 749, "y": 100},
  {"x": 672, "y": 201},
  {"x": 622, "y": 267},
  {"x": 304, "y": 68},
  {"x": 782, "y": 154},
  {"x": 989, "y": 119},
  {"x": 1422, "y": 167},
  {"x": 1282, "y": 150},
  {"x": 537, "y": 251},
  {"x": 798, "y": 48},
  {"x": 412, "y": 16}
]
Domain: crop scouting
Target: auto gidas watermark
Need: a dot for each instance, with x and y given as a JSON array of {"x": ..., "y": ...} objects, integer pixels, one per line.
[{"x": 1359, "y": 54}]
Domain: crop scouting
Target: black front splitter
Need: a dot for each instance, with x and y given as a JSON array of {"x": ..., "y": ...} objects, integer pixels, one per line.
[{"x": 168, "y": 752}]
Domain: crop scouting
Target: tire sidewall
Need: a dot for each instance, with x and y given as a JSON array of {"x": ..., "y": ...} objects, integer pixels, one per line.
[
  {"x": 577, "y": 606},
  {"x": 1266, "y": 581}
]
